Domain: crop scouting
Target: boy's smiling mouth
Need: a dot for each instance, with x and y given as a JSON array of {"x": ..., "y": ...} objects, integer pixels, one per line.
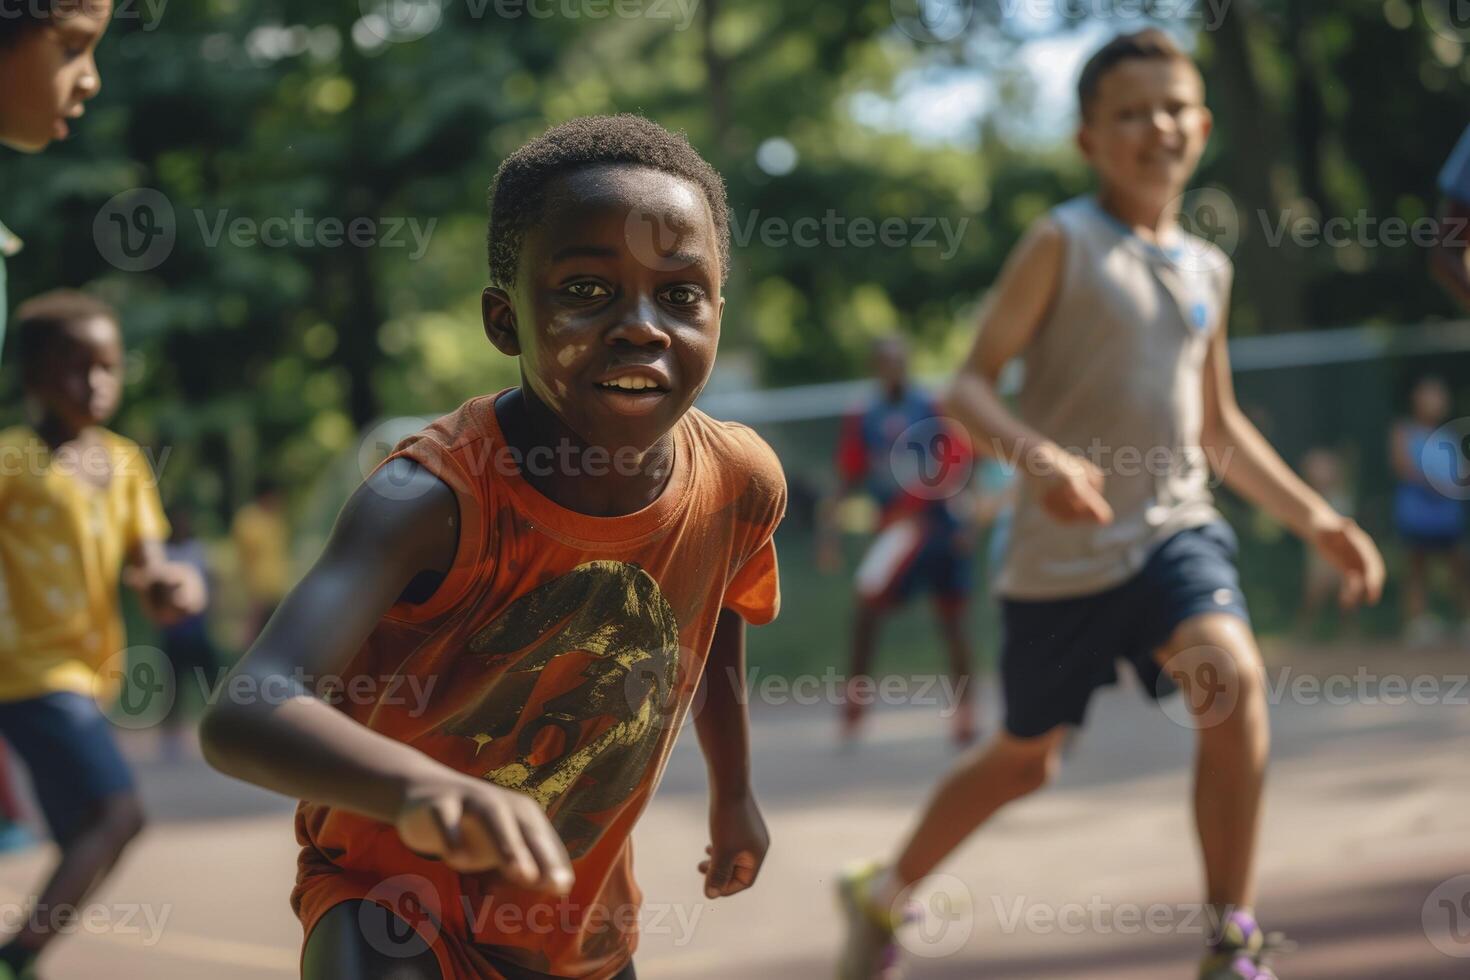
[{"x": 634, "y": 390}]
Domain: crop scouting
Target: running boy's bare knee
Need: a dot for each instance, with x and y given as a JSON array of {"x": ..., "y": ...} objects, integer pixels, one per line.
[{"x": 1026, "y": 765}]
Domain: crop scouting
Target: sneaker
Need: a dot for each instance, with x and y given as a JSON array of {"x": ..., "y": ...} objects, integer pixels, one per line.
[
  {"x": 869, "y": 951},
  {"x": 8, "y": 972},
  {"x": 1241, "y": 951}
]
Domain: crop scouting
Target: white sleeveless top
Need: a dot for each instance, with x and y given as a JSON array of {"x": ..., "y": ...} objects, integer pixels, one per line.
[{"x": 1114, "y": 372}]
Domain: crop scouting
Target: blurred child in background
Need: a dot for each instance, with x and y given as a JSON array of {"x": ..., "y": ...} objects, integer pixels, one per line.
[
  {"x": 1430, "y": 522},
  {"x": 79, "y": 514},
  {"x": 262, "y": 541},
  {"x": 922, "y": 545}
]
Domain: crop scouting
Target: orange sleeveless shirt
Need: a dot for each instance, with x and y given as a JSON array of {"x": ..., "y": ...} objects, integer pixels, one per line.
[{"x": 558, "y": 658}]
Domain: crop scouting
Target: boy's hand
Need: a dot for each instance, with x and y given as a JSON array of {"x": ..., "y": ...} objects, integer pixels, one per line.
[
  {"x": 1353, "y": 553},
  {"x": 475, "y": 826},
  {"x": 169, "y": 592},
  {"x": 739, "y": 842},
  {"x": 1070, "y": 486}
]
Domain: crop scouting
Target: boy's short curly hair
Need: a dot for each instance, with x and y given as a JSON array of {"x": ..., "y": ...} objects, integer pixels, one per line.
[
  {"x": 40, "y": 320},
  {"x": 1149, "y": 44},
  {"x": 518, "y": 191}
]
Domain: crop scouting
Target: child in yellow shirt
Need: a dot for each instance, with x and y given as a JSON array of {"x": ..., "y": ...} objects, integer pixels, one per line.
[{"x": 79, "y": 514}]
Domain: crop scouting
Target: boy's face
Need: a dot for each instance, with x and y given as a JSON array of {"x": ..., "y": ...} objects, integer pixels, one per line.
[
  {"x": 1431, "y": 402},
  {"x": 79, "y": 377},
  {"x": 617, "y": 337},
  {"x": 1147, "y": 126},
  {"x": 48, "y": 73},
  {"x": 891, "y": 363}
]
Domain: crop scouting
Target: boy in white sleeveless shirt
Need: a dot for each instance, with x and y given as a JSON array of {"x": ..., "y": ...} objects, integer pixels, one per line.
[{"x": 1117, "y": 552}]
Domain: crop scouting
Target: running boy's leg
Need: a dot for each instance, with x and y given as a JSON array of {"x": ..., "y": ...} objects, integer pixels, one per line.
[
  {"x": 366, "y": 941},
  {"x": 951, "y": 611},
  {"x": 1004, "y": 769},
  {"x": 86, "y": 793},
  {"x": 1214, "y": 659}
]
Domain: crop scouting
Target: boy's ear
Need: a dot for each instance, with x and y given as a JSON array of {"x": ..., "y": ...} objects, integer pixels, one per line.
[
  {"x": 1207, "y": 123},
  {"x": 500, "y": 321},
  {"x": 1084, "y": 141}
]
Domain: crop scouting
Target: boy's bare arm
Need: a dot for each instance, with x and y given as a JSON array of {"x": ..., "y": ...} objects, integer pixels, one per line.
[
  {"x": 1009, "y": 319},
  {"x": 1248, "y": 464},
  {"x": 401, "y": 523},
  {"x": 738, "y": 836}
]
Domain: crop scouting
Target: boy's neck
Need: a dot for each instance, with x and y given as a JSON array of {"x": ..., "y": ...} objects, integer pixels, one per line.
[
  {"x": 618, "y": 490},
  {"x": 1150, "y": 218},
  {"x": 56, "y": 432}
]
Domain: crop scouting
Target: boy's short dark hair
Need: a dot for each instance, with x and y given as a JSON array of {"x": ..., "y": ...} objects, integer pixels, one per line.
[
  {"x": 19, "y": 17},
  {"x": 1147, "y": 44},
  {"x": 40, "y": 320},
  {"x": 518, "y": 191}
]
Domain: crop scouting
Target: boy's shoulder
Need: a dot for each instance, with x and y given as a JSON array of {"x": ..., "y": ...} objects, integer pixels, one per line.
[
  {"x": 736, "y": 452},
  {"x": 1083, "y": 216},
  {"x": 22, "y": 436},
  {"x": 16, "y": 436}
]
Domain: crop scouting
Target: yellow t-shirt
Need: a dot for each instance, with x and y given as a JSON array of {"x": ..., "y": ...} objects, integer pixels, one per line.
[{"x": 63, "y": 542}]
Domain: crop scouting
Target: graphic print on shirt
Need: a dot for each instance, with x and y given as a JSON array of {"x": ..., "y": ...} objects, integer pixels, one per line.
[{"x": 600, "y": 734}]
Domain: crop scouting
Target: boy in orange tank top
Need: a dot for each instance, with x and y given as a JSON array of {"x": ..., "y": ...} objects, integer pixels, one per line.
[{"x": 475, "y": 690}]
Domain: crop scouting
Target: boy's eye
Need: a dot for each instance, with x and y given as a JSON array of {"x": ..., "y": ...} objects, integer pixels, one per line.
[
  {"x": 683, "y": 295},
  {"x": 587, "y": 290}
]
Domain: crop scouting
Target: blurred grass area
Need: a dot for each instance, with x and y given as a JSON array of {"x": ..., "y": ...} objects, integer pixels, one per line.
[{"x": 814, "y": 630}]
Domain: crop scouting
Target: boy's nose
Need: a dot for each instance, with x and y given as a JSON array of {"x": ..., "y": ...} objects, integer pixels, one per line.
[
  {"x": 640, "y": 326},
  {"x": 89, "y": 83}
]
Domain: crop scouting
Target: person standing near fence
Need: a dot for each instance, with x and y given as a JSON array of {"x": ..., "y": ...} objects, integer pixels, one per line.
[
  {"x": 1431, "y": 524},
  {"x": 923, "y": 545}
]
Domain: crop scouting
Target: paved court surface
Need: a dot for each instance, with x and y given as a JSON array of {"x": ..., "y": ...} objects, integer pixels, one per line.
[{"x": 1368, "y": 827}]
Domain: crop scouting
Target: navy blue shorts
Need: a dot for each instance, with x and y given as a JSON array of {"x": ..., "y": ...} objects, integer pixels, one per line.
[
  {"x": 67, "y": 746},
  {"x": 922, "y": 556},
  {"x": 1055, "y": 653}
]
